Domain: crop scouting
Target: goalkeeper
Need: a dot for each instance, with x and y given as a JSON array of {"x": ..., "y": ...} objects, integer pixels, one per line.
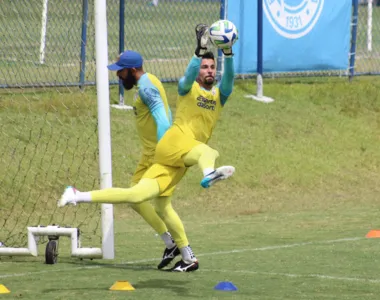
[{"x": 199, "y": 105}]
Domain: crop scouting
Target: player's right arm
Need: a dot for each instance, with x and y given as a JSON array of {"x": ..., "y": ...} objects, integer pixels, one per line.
[{"x": 191, "y": 73}]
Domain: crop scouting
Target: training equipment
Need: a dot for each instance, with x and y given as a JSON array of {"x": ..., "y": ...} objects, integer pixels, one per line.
[
  {"x": 373, "y": 234},
  {"x": 122, "y": 286},
  {"x": 223, "y": 34},
  {"x": 4, "y": 290},
  {"x": 225, "y": 286}
]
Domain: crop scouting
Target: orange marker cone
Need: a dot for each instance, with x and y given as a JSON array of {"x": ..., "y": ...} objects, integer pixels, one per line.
[{"x": 373, "y": 234}]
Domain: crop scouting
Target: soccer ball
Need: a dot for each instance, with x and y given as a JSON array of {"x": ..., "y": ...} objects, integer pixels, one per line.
[{"x": 223, "y": 34}]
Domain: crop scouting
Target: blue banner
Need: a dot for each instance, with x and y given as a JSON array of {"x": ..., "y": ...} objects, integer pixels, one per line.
[{"x": 298, "y": 35}]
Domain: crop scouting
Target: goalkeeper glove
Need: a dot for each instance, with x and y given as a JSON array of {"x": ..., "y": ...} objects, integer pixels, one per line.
[
  {"x": 227, "y": 51},
  {"x": 201, "y": 31}
]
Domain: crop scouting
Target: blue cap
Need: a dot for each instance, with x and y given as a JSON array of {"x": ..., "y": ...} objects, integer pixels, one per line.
[{"x": 127, "y": 59}]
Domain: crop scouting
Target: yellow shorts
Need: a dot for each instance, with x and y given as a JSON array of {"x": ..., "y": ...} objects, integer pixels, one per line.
[
  {"x": 173, "y": 146},
  {"x": 167, "y": 177},
  {"x": 143, "y": 166}
]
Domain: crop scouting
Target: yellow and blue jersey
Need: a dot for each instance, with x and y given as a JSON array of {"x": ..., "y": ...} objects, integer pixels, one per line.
[
  {"x": 152, "y": 112},
  {"x": 199, "y": 109},
  {"x": 197, "y": 112}
]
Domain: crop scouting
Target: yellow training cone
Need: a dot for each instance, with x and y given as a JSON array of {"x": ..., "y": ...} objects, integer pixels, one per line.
[
  {"x": 4, "y": 290},
  {"x": 122, "y": 286}
]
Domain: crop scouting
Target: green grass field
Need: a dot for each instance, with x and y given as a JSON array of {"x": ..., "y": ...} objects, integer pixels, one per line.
[{"x": 290, "y": 224}]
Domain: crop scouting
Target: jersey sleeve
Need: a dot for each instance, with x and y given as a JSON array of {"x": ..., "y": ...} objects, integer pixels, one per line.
[
  {"x": 162, "y": 121},
  {"x": 191, "y": 73},
  {"x": 150, "y": 96},
  {"x": 227, "y": 82}
]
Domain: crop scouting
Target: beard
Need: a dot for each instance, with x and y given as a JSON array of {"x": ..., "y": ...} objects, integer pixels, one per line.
[
  {"x": 209, "y": 80},
  {"x": 129, "y": 82}
]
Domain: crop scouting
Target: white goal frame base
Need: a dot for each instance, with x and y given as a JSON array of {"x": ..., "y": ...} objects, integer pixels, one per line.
[
  {"x": 260, "y": 98},
  {"x": 52, "y": 230}
]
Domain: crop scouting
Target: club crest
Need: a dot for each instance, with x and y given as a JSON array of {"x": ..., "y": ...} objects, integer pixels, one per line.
[{"x": 293, "y": 18}]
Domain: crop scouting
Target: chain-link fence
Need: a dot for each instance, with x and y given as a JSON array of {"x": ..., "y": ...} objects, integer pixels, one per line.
[
  {"x": 368, "y": 39},
  {"x": 54, "y": 53},
  {"x": 51, "y": 42}
]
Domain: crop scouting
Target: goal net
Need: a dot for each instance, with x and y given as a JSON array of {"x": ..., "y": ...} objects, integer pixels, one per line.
[{"x": 49, "y": 136}]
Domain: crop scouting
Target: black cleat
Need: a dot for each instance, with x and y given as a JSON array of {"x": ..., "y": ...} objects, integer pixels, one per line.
[
  {"x": 168, "y": 256},
  {"x": 182, "y": 266}
]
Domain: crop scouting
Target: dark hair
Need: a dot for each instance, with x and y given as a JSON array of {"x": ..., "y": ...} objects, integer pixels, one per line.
[
  {"x": 208, "y": 55},
  {"x": 138, "y": 68}
]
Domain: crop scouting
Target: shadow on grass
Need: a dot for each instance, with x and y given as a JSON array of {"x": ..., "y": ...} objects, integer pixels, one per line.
[
  {"x": 73, "y": 289},
  {"x": 127, "y": 266},
  {"x": 175, "y": 286}
]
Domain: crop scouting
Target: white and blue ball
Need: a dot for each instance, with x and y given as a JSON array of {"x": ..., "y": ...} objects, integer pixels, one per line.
[{"x": 223, "y": 34}]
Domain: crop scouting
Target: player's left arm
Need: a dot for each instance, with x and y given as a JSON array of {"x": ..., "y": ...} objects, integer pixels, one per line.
[
  {"x": 227, "y": 82},
  {"x": 152, "y": 98}
]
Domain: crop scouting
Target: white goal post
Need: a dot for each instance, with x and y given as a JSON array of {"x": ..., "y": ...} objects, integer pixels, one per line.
[
  {"x": 53, "y": 232},
  {"x": 104, "y": 124},
  {"x": 369, "y": 25},
  {"x": 43, "y": 30}
]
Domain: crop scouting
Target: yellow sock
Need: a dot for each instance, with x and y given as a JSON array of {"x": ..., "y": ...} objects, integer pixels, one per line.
[
  {"x": 202, "y": 155},
  {"x": 149, "y": 214},
  {"x": 173, "y": 222},
  {"x": 145, "y": 190}
]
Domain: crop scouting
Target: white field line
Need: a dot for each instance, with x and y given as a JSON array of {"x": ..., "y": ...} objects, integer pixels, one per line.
[
  {"x": 282, "y": 246},
  {"x": 48, "y": 271},
  {"x": 319, "y": 276},
  {"x": 276, "y": 247}
]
